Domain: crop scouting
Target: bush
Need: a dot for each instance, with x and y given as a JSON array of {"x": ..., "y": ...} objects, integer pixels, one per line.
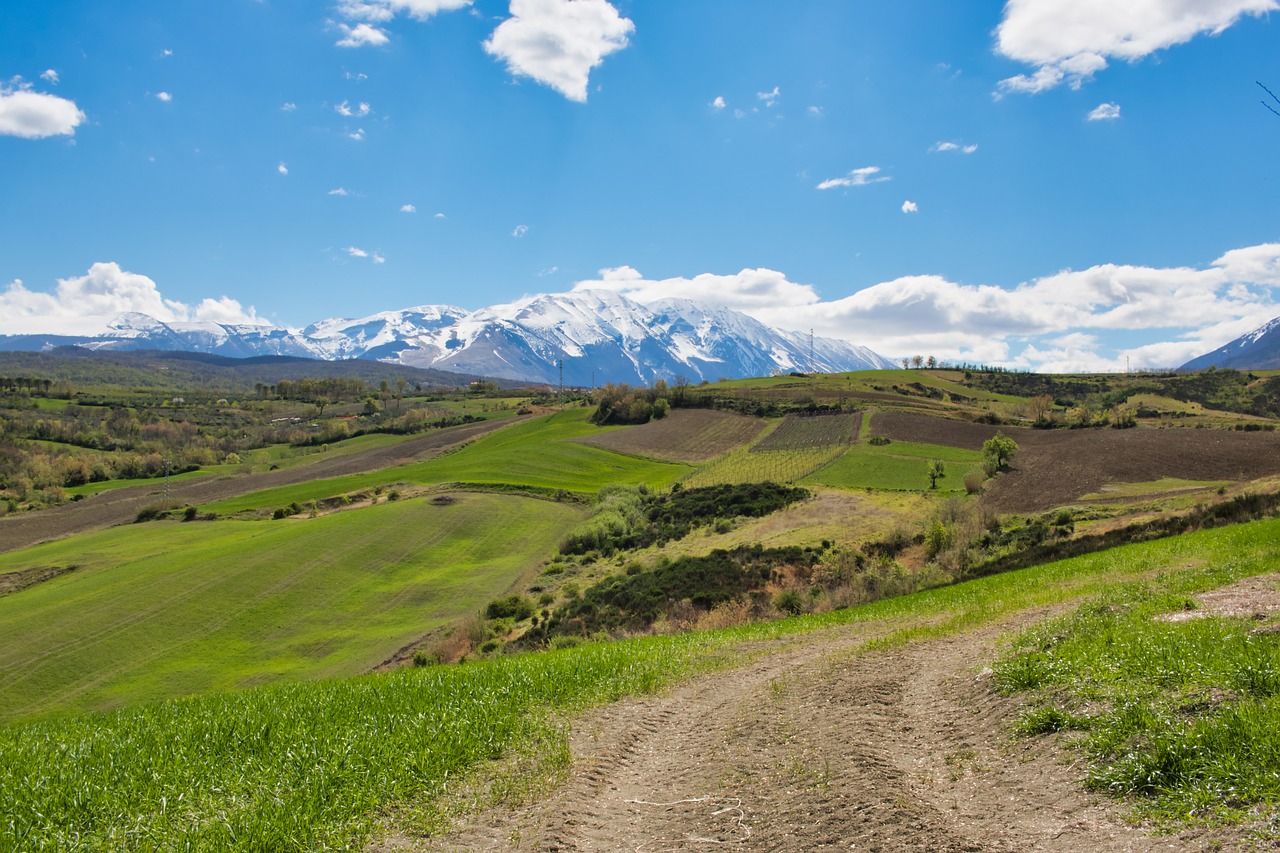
[
  {"x": 515, "y": 607},
  {"x": 789, "y": 601}
]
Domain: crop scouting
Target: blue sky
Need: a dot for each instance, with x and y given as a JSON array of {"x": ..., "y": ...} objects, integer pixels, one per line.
[{"x": 1048, "y": 184}]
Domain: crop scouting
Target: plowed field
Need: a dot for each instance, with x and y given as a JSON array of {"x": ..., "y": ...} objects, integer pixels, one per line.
[
  {"x": 686, "y": 435},
  {"x": 1057, "y": 467}
]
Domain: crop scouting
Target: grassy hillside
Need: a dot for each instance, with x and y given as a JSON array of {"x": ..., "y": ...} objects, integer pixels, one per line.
[
  {"x": 313, "y": 766},
  {"x": 540, "y": 453},
  {"x": 170, "y": 609}
]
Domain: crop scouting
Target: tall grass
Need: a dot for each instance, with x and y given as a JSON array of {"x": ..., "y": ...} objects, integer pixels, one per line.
[{"x": 302, "y": 767}]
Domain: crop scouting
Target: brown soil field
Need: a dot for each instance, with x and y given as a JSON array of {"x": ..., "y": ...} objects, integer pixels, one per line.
[
  {"x": 806, "y": 432},
  {"x": 120, "y": 506},
  {"x": 1057, "y": 467},
  {"x": 813, "y": 746},
  {"x": 690, "y": 436}
]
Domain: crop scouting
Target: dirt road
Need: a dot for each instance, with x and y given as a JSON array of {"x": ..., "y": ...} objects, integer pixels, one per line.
[
  {"x": 120, "y": 506},
  {"x": 815, "y": 748}
]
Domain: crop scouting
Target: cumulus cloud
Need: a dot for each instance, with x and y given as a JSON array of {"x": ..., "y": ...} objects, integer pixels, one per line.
[
  {"x": 1060, "y": 322},
  {"x": 910, "y": 207},
  {"x": 1105, "y": 112},
  {"x": 164, "y": 96},
  {"x": 769, "y": 98},
  {"x": 559, "y": 42},
  {"x": 339, "y": 191},
  {"x": 857, "y": 178},
  {"x": 282, "y": 168},
  {"x": 51, "y": 76},
  {"x": 36, "y": 115},
  {"x": 408, "y": 208},
  {"x": 288, "y": 106},
  {"x": 357, "y": 134},
  {"x": 944, "y": 147},
  {"x": 439, "y": 216},
  {"x": 1069, "y": 41},
  {"x": 86, "y": 304},
  {"x": 519, "y": 231},
  {"x": 815, "y": 111},
  {"x": 362, "y": 35},
  {"x": 719, "y": 103}
]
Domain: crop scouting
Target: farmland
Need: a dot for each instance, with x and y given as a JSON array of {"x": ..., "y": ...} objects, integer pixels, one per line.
[
  {"x": 474, "y": 541},
  {"x": 172, "y": 609}
]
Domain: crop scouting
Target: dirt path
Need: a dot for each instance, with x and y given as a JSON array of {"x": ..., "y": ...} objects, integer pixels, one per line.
[
  {"x": 120, "y": 506},
  {"x": 814, "y": 748}
]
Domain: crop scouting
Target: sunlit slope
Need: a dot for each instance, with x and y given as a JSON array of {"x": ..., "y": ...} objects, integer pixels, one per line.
[
  {"x": 170, "y": 609},
  {"x": 538, "y": 453}
]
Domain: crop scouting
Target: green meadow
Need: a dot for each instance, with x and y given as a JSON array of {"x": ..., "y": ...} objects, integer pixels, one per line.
[
  {"x": 900, "y": 466},
  {"x": 535, "y": 453},
  {"x": 168, "y": 609},
  {"x": 314, "y": 766}
]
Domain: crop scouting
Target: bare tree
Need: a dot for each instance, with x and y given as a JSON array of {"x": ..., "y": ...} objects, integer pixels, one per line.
[{"x": 1273, "y": 96}]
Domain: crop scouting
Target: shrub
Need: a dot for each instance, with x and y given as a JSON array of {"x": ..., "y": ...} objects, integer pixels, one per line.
[
  {"x": 789, "y": 601},
  {"x": 515, "y": 607}
]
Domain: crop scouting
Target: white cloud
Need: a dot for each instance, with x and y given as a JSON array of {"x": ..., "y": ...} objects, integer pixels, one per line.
[
  {"x": 357, "y": 135},
  {"x": 345, "y": 109},
  {"x": 719, "y": 103},
  {"x": 51, "y": 76},
  {"x": 439, "y": 216},
  {"x": 357, "y": 252},
  {"x": 362, "y": 35},
  {"x": 1058, "y": 322},
  {"x": 910, "y": 207},
  {"x": 944, "y": 147},
  {"x": 408, "y": 208},
  {"x": 164, "y": 96},
  {"x": 816, "y": 112},
  {"x": 288, "y": 106},
  {"x": 1105, "y": 112},
  {"x": 1071, "y": 40},
  {"x": 769, "y": 98},
  {"x": 520, "y": 231},
  {"x": 35, "y": 115},
  {"x": 166, "y": 52},
  {"x": 548, "y": 271},
  {"x": 282, "y": 168},
  {"x": 857, "y": 178},
  {"x": 559, "y": 42},
  {"x": 339, "y": 191},
  {"x": 385, "y": 10},
  {"x": 86, "y": 304}
]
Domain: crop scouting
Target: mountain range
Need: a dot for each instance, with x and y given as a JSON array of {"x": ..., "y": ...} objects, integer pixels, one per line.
[
  {"x": 578, "y": 338},
  {"x": 1257, "y": 350}
]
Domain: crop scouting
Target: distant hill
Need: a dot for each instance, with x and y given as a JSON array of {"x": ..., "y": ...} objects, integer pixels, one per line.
[
  {"x": 1258, "y": 350},
  {"x": 584, "y": 338}
]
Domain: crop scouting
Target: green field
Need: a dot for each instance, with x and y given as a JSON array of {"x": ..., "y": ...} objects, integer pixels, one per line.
[
  {"x": 536, "y": 452},
  {"x": 170, "y": 609},
  {"x": 900, "y": 466},
  {"x": 313, "y": 766}
]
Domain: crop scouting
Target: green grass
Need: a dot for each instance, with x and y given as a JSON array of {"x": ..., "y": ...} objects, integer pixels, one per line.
[
  {"x": 900, "y": 465},
  {"x": 1153, "y": 487},
  {"x": 535, "y": 452},
  {"x": 170, "y": 609},
  {"x": 747, "y": 466},
  {"x": 313, "y": 766},
  {"x": 1182, "y": 716}
]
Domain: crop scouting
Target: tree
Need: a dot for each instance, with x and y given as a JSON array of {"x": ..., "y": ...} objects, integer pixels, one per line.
[
  {"x": 999, "y": 449},
  {"x": 1273, "y": 95},
  {"x": 937, "y": 470}
]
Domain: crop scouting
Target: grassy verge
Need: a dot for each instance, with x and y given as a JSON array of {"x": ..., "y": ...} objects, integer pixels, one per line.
[
  {"x": 309, "y": 766},
  {"x": 1181, "y": 716}
]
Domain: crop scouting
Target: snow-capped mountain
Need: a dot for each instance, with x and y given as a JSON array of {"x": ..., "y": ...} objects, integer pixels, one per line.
[
  {"x": 1257, "y": 350},
  {"x": 598, "y": 336}
]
